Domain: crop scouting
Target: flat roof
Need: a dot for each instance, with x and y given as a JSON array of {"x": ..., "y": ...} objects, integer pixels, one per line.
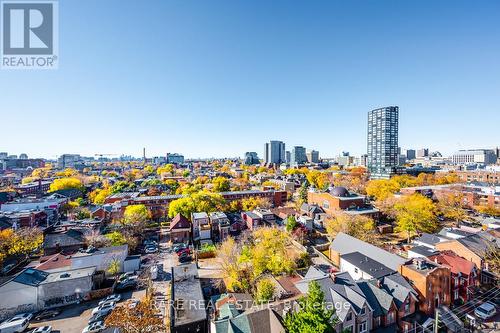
[
  {"x": 69, "y": 274},
  {"x": 187, "y": 289}
]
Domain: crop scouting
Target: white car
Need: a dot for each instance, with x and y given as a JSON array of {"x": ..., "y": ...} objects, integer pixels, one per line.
[
  {"x": 43, "y": 329},
  {"x": 26, "y": 315},
  {"x": 94, "y": 327},
  {"x": 485, "y": 310},
  {"x": 14, "y": 325},
  {"x": 104, "y": 308},
  {"x": 111, "y": 298}
]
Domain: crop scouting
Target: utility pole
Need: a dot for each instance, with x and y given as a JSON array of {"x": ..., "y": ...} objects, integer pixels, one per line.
[{"x": 436, "y": 322}]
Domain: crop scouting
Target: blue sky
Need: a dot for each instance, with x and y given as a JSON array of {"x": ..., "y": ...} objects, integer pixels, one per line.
[{"x": 218, "y": 78}]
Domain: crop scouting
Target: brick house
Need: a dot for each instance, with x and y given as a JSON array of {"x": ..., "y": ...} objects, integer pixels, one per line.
[
  {"x": 252, "y": 220},
  {"x": 180, "y": 229},
  {"x": 464, "y": 274},
  {"x": 431, "y": 281}
]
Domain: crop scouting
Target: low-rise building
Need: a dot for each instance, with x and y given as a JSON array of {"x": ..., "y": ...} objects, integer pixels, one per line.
[
  {"x": 432, "y": 282},
  {"x": 180, "y": 229},
  {"x": 201, "y": 226},
  {"x": 187, "y": 312},
  {"x": 220, "y": 225}
]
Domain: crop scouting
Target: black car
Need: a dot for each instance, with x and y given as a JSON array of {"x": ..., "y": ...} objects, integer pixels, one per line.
[
  {"x": 185, "y": 257},
  {"x": 51, "y": 313}
]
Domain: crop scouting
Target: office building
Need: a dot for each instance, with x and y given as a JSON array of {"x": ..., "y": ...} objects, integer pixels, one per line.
[
  {"x": 174, "y": 158},
  {"x": 298, "y": 156},
  {"x": 69, "y": 161},
  {"x": 424, "y": 152},
  {"x": 383, "y": 141},
  {"x": 274, "y": 152},
  {"x": 251, "y": 158},
  {"x": 477, "y": 156},
  {"x": 410, "y": 154},
  {"x": 363, "y": 160},
  {"x": 288, "y": 157},
  {"x": 312, "y": 156}
]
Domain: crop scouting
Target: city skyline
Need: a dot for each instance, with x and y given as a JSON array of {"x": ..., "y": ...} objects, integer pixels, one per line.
[{"x": 206, "y": 81}]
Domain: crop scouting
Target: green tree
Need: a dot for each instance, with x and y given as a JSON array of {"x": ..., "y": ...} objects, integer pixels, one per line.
[
  {"x": 291, "y": 223},
  {"x": 415, "y": 213},
  {"x": 116, "y": 238},
  {"x": 264, "y": 290},
  {"x": 313, "y": 315}
]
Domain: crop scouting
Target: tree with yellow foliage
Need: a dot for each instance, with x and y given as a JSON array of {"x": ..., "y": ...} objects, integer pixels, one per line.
[
  {"x": 318, "y": 179},
  {"x": 68, "y": 172},
  {"x": 252, "y": 203},
  {"x": 136, "y": 214},
  {"x": 21, "y": 242},
  {"x": 164, "y": 169},
  {"x": 99, "y": 195},
  {"x": 451, "y": 205},
  {"x": 380, "y": 189},
  {"x": 66, "y": 183},
  {"x": 359, "y": 226},
  {"x": 221, "y": 184},
  {"x": 415, "y": 213}
]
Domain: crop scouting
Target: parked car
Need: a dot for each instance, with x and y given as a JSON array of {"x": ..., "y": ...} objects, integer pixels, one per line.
[
  {"x": 8, "y": 268},
  {"x": 26, "y": 315},
  {"x": 126, "y": 276},
  {"x": 126, "y": 285},
  {"x": 183, "y": 258},
  {"x": 150, "y": 249},
  {"x": 179, "y": 247},
  {"x": 98, "y": 317},
  {"x": 43, "y": 329},
  {"x": 51, "y": 313},
  {"x": 485, "y": 310},
  {"x": 94, "y": 327},
  {"x": 111, "y": 298},
  {"x": 186, "y": 250},
  {"x": 104, "y": 308},
  {"x": 14, "y": 325}
]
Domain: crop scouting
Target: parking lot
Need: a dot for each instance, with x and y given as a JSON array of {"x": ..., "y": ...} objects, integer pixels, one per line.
[{"x": 74, "y": 318}]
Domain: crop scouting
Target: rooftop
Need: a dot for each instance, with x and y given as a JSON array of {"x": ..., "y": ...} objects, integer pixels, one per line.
[
  {"x": 187, "y": 291},
  {"x": 367, "y": 265}
]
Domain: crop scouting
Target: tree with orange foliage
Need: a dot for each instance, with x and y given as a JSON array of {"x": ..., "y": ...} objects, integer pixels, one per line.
[{"x": 140, "y": 319}]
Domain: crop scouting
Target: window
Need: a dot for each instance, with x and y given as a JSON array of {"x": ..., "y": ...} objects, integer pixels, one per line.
[
  {"x": 390, "y": 317},
  {"x": 362, "y": 327},
  {"x": 363, "y": 311},
  {"x": 349, "y": 316},
  {"x": 407, "y": 307}
]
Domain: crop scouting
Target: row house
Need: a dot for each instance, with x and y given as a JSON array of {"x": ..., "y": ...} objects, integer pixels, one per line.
[
  {"x": 464, "y": 274},
  {"x": 475, "y": 248},
  {"x": 252, "y": 220},
  {"x": 352, "y": 309},
  {"x": 220, "y": 225},
  {"x": 201, "y": 226},
  {"x": 432, "y": 282},
  {"x": 31, "y": 218}
]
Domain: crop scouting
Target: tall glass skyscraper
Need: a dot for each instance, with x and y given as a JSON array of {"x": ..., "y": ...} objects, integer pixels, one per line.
[
  {"x": 383, "y": 141},
  {"x": 274, "y": 152}
]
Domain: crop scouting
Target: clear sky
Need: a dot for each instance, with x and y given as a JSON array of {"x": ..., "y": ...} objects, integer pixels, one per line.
[{"x": 218, "y": 78}]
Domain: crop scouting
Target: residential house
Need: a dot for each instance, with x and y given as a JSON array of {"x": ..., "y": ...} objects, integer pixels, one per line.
[
  {"x": 421, "y": 251},
  {"x": 69, "y": 241},
  {"x": 464, "y": 274},
  {"x": 344, "y": 244},
  {"x": 236, "y": 313},
  {"x": 252, "y": 220},
  {"x": 180, "y": 229},
  {"x": 432, "y": 282},
  {"x": 475, "y": 248},
  {"x": 405, "y": 298},
  {"x": 266, "y": 216},
  {"x": 382, "y": 303},
  {"x": 352, "y": 309},
  {"x": 220, "y": 225},
  {"x": 360, "y": 266},
  {"x": 100, "y": 258},
  {"x": 201, "y": 226},
  {"x": 34, "y": 290},
  {"x": 428, "y": 240}
]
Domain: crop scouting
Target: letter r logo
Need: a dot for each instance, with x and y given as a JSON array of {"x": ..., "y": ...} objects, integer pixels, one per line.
[{"x": 27, "y": 28}]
